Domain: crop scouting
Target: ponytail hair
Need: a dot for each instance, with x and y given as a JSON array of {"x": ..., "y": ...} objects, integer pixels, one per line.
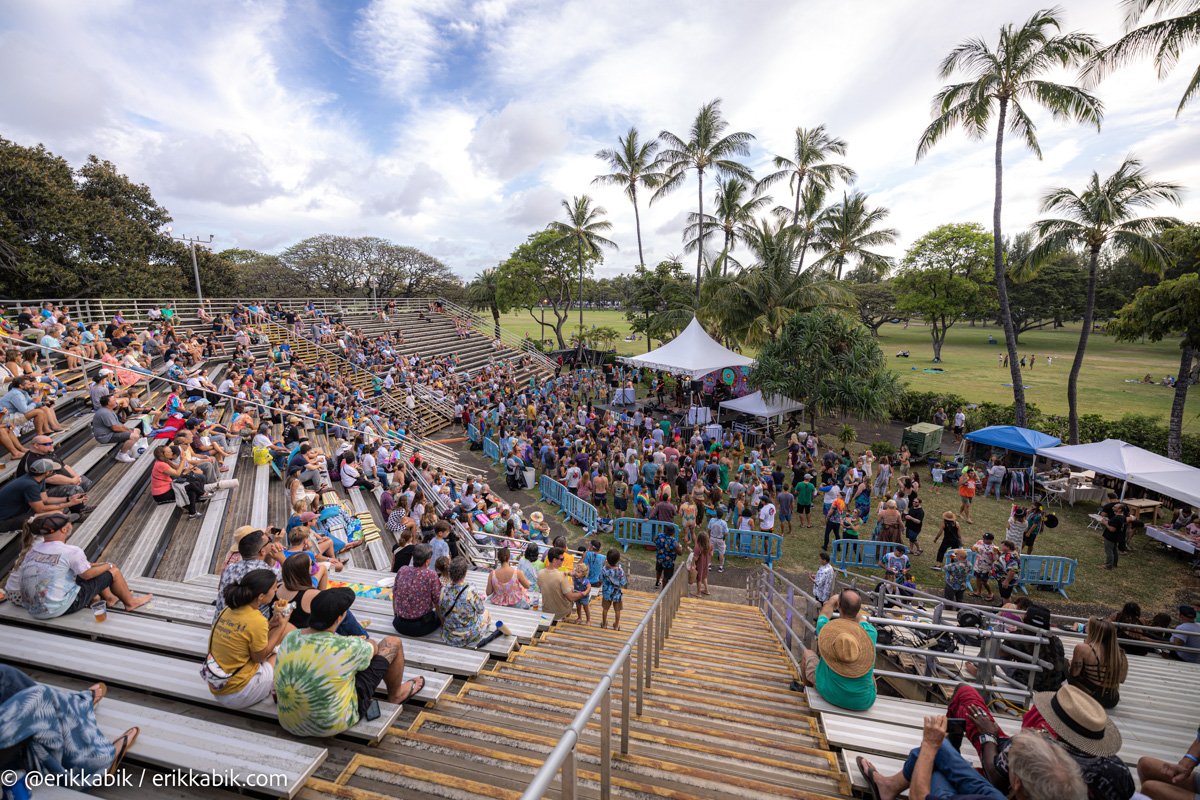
[{"x": 246, "y": 591}]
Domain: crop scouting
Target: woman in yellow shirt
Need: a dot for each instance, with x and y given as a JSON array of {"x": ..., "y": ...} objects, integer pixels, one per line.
[{"x": 243, "y": 641}]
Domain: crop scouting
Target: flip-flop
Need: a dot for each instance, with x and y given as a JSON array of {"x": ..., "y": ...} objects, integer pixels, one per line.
[
  {"x": 98, "y": 690},
  {"x": 868, "y": 773},
  {"x": 416, "y": 685},
  {"x": 122, "y": 744}
]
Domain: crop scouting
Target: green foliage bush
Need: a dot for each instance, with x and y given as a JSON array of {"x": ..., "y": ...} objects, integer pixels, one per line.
[{"x": 881, "y": 449}]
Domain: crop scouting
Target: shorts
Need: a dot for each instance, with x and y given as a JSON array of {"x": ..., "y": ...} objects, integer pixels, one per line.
[
  {"x": 958, "y": 429},
  {"x": 600, "y": 499},
  {"x": 804, "y": 508},
  {"x": 257, "y": 689},
  {"x": 1027, "y": 540},
  {"x": 367, "y": 682},
  {"x": 912, "y": 535},
  {"x": 786, "y": 516},
  {"x": 966, "y": 498},
  {"x": 88, "y": 589},
  {"x": 718, "y": 547},
  {"x": 620, "y": 503},
  {"x": 114, "y": 437},
  {"x": 982, "y": 577}
]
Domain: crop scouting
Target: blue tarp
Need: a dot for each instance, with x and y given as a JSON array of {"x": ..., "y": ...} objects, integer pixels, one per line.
[{"x": 1010, "y": 437}]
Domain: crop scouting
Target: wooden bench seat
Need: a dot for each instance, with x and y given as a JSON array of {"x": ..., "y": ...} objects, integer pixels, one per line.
[
  {"x": 203, "y": 552},
  {"x": 258, "y": 509},
  {"x": 137, "y": 560},
  {"x": 178, "y": 742},
  {"x": 119, "y": 495},
  {"x": 163, "y": 675}
]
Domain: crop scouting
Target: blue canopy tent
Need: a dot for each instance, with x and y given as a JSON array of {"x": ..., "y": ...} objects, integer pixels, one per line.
[
  {"x": 1010, "y": 437},
  {"x": 1015, "y": 440}
]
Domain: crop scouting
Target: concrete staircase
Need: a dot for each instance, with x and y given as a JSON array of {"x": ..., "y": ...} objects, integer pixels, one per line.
[{"x": 718, "y": 722}]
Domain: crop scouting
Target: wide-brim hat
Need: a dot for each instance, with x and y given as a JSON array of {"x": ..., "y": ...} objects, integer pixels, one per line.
[
  {"x": 536, "y": 516},
  {"x": 1079, "y": 720},
  {"x": 846, "y": 648},
  {"x": 1051, "y": 521}
]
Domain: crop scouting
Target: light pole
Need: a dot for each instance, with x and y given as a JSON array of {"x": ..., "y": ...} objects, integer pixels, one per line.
[
  {"x": 192, "y": 241},
  {"x": 374, "y": 303},
  {"x": 542, "y": 331}
]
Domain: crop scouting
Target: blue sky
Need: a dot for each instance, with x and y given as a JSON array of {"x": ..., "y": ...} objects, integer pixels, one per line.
[{"x": 459, "y": 126}]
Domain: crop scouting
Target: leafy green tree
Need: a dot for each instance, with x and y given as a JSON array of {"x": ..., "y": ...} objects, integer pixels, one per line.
[
  {"x": 258, "y": 274},
  {"x": 752, "y": 306},
  {"x": 658, "y": 303},
  {"x": 942, "y": 278},
  {"x": 848, "y": 232},
  {"x": 484, "y": 292},
  {"x": 346, "y": 265},
  {"x": 707, "y": 147},
  {"x": 540, "y": 277},
  {"x": 633, "y": 167},
  {"x": 809, "y": 165},
  {"x": 875, "y": 303},
  {"x": 1001, "y": 81},
  {"x": 736, "y": 206},
  {"x": 1049, "y": 296},
  {"x": 1166, "y": 37},
  {"x": 583, "y": 227},
  {"x": 1172, "y": 308},
  {"x": 830, "y": 363},
  {"x": 1104, "y": 215}
]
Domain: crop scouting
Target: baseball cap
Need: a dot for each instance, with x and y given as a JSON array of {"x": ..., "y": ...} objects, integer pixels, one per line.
[
  {"x": 307, "y": 517},
  {"x": 105, "y": 372},
  {"x": 44, "y": 466},
  {"x": 1187, "y": 611},
  {"x": 328, "y": 605}
]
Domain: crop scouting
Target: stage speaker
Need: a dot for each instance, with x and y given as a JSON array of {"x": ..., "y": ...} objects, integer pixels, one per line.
[{"x": 697, "y": 387}]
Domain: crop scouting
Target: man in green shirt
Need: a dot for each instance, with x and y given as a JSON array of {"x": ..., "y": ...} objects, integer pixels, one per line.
[
  {"x": 324, "y": 682},
  {"x": 842, "y": 667},
  {"x": 805, "y": 491}
]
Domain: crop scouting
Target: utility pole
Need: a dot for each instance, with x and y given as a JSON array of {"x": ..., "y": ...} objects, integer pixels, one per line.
[{"x": 192, "y": 241}]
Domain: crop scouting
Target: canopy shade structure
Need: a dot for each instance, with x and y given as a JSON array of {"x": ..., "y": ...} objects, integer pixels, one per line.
[
  {"x": 1010, "y": 437},
  {"x": 692, "y": 353},
  {"x": 757, "y": 405},
  {"x": 1133, "y": 464}
]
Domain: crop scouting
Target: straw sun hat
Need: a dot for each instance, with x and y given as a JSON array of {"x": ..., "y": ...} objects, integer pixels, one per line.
[
  {"x": 1079, "y": 720},
  {"x": 846, "y": 648},
  {"x": 536, "y": 516}
]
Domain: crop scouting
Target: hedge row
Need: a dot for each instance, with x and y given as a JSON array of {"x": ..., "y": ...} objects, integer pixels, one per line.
[{"x": 1141, "y": 430}]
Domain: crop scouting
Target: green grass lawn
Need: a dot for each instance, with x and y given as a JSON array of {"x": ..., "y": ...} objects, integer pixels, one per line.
[{"x": 971, "y": 369}]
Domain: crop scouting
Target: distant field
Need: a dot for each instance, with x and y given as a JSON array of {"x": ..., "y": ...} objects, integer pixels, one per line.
[{"x": 971, "y": 370}]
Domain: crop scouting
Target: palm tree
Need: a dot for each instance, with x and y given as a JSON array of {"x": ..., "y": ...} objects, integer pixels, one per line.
[
  {"x": 1103, "y": 215},
  {"x": 813, "y": 213},
  {"x": 1165, "y": 38},
  {"x": 846, "y": 231},
  {"x": 752, "y": 306},
  {"x": 735, "y": 204},
  {"x": 583, "y": 226},
  {"x": 482, "y": 293},
  {"x": 1000, "y": 81},
  {"x": 810, "y": 165},
  {"x": 707, "y": 147},
  {"x": 633, "y": 166}
]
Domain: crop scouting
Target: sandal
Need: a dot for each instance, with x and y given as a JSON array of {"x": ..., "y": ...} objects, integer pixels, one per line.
[
  {"x": 415, "y": 685},
  {"x": 122, "y": 744},
  {"x": 868, "y": 772}
]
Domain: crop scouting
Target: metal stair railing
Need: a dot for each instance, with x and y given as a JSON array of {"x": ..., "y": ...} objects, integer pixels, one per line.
[
  {"x": 649, "y": 637},
  {"x": 507, "y": 337}
]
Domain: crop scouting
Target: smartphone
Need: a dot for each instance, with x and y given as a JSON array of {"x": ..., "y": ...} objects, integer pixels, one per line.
[
  {"x": 956, "y": 726},
  {"x": 372, "y": 711}
]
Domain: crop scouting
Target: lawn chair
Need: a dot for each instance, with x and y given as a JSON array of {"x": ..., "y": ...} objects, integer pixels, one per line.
[{"x": 1054, "y": 491}]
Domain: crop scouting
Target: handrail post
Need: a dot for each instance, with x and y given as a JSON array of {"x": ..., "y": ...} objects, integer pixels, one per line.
[
  {"x": 626, "y": 677},
  {"x": 641, "y": 668},
  {"x": 606, "y": 745},
  {"x": 566, "y": 789}
]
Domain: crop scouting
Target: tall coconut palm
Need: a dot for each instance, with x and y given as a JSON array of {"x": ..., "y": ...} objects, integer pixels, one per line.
[
  {"x": 752, "y": 306},
  {"x": 707, "y": 147},
  {"x": 735, "y": 204},
  {"x": 1001, "y": 81},
  {"x": 810, "y": 165},
  {"x": 845, "y": 233},
  {"x": 483, "y": 292},
  {"x": 1103, "y": 214},
  {"x": 633, "y": 167},
  {"x": 1164, "y": 37},
  {"x": 584, "y": 225},
  {"x": 813, "y": 212}
]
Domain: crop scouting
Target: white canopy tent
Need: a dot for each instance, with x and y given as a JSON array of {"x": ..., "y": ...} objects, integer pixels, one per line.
[
  {"x": 1132, "y": 465},
  {"x": 757, "y": 405},
  {"x": 692, "y": 353}
]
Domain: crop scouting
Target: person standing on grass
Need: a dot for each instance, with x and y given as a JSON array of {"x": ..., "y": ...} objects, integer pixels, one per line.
[
  {"x": 914, "y": 518},
  {"x": 805, "y": 491},
  {"x": 1114, "y": 536},
  {"x": 787, "y": 503},
  {"x": 986, "y": 555},
  {"x": 966, "y": 493},
  {"x": 960, "y": 425}
]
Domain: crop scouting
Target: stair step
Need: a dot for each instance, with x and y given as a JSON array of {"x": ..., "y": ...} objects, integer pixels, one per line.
[
  {"x": 687, "y": 663},
  {"x": 432, "y": 775}
]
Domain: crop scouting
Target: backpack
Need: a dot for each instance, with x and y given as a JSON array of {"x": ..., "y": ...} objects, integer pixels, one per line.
[{"x": 1049, "y": 680}]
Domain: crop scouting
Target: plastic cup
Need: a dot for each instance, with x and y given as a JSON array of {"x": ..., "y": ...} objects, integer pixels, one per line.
[{"x": 100, "y": 611}]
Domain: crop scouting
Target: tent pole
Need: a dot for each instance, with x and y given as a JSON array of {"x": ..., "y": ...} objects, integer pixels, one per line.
[{"x": 1124, "y": 486}]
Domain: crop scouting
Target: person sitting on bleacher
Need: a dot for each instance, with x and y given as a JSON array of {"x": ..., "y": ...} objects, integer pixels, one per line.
[
  {"x": 243, "y": 642},
  {"x": 19, "y": 403},
  {"x": 107, "y": 429},
  {"x": 415, "y": 594},
  {"x": 24, "y": 496},
  {"x": 1039, "y": 770},
  {"x": 324, "y": 683},
  {"x": 257, "y": 552},
  {"x": 55, "y": 578},
  {"x": 841, "y": 667},
  {"x": 206, "y": 464},
  {"x": 308, "y": 462},
  {"x": 556, "y": 586},
  {"x": 65, "y": 482},
  {"x": 465, "y": 619}
]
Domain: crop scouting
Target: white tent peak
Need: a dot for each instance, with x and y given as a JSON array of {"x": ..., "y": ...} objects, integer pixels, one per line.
[
  {"x": 693, "y": 353},
  {"x": 1133, "y": 464},
  {"x": 759, "y": 405}
]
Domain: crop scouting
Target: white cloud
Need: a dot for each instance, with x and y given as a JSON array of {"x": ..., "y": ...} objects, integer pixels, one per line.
[{"x": 460, "y": 125}]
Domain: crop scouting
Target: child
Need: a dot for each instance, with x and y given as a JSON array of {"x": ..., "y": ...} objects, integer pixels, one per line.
[
  {"x": 688, "y": 511},
  {"x": 850, "y": 529},
  {"x": 702, "y": 559},
  {"x": 986, "y": 554},
  {"x": 582, "y": 584},
  {"x": 442, "y": 568},
  {"x": 612, "y": 585},
  {"x": 594, "y": 562}
]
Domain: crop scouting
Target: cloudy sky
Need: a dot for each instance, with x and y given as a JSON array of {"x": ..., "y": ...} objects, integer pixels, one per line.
[{"x": 458, "y": 126}]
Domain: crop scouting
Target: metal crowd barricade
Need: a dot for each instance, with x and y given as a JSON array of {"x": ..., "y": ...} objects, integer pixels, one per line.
[
  {"x": 491, "y": 449},
  {"x": 473, "y": 434},
  {"x": 763, "y": 545},
  {"x": 630, "y": 530},
  {"x": 863, "y": 553}
]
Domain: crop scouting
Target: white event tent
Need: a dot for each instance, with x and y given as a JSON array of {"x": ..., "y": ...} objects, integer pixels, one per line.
[
  {"x": 757, "y": 405},
  {"x": 692, "y": 353},
  {"x": 1132, "y": 465}
]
